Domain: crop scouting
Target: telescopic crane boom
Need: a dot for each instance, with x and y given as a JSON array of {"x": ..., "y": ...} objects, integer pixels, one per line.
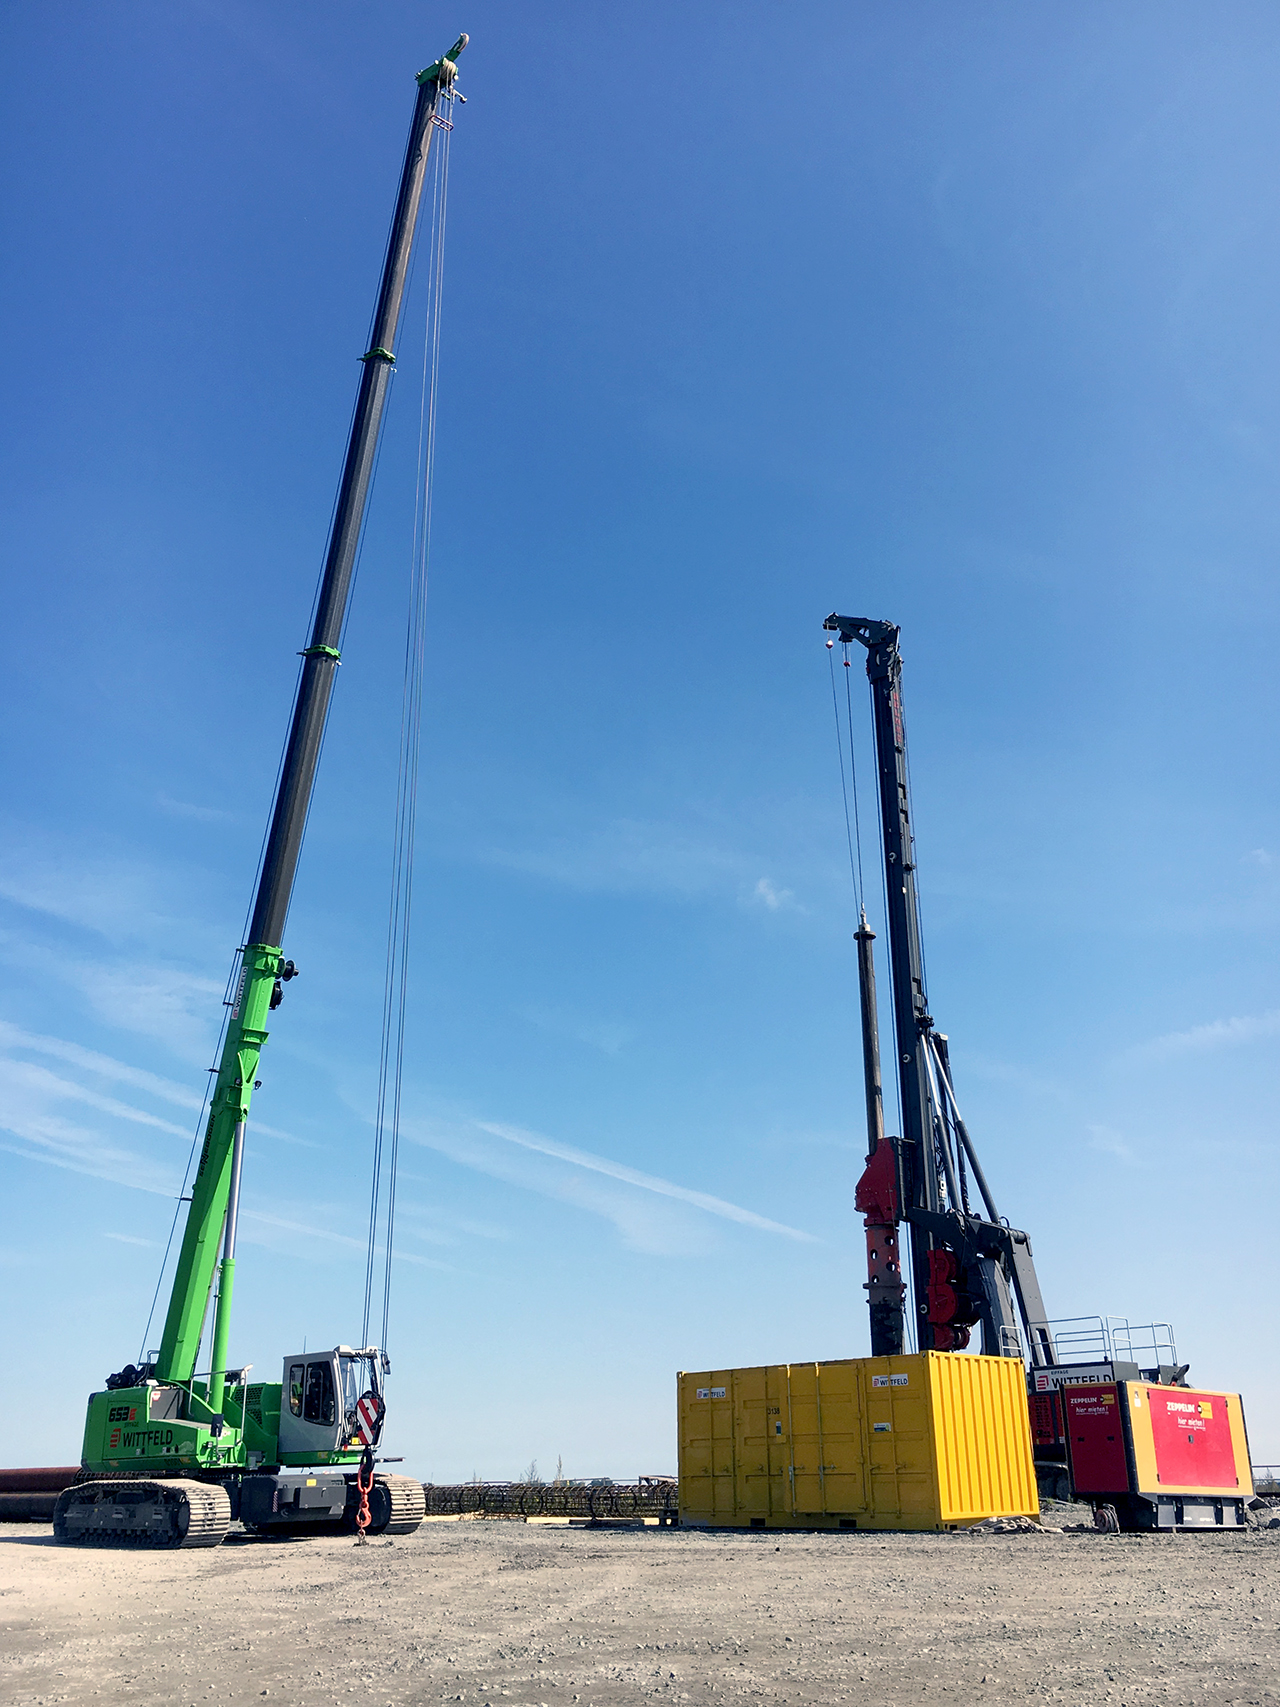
[
  {"x": 263, "y": 968},
  {"x": 967, "y": 1268},
  {"x": 200, "y": 1437}
]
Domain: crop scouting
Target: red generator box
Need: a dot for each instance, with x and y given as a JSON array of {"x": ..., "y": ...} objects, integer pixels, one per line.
[{"x": 1163, "y": 1457}]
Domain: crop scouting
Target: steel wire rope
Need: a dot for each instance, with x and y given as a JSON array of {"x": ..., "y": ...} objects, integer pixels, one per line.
[
  {"x": 393, "y": 908},
  {"x": 855, "y": 867},
  {"x": 427, "y": 454},
  {"x": 228, "y": 994},
  {"x": 396, "y": 972},
  {"x": 853, "y": 776}
]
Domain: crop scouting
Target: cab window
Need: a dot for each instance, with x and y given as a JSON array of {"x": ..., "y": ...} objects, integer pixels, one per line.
[
  {"x": 318, "y": 1404},
  {"x": 296, "y": 1373}
]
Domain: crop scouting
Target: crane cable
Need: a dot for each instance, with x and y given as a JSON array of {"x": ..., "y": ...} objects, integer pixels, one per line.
[
  {"x": 386, "y": 1146},
  {"x": 852, "y": 831}
]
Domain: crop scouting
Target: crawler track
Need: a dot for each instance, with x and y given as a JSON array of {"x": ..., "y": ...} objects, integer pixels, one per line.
[
  {"x": 135, "y": 1513},
  {"x": 408, "y": 1505}
]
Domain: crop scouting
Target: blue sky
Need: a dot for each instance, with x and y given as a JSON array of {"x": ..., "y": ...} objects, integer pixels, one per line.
[{"x": 965, "y": 317}]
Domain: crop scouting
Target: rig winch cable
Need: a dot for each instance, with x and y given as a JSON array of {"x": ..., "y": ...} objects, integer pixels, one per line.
[
  {"x": 386, "y": 1145},
  {"x": 848, "y": 782}
]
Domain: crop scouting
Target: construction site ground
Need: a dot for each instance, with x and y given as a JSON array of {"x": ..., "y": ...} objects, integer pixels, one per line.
[{"x": 508, "y": 1612}]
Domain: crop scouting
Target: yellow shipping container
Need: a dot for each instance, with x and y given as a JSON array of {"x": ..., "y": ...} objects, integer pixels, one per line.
[{"x": 934, "y": 1440}]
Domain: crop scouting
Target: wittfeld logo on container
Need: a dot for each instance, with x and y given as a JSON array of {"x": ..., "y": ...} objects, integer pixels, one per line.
[
  {"x": 711, "y": 1392},
  {"x": 890, "y": 1380}
]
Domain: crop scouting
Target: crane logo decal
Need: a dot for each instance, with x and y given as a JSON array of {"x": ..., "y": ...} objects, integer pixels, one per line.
[{"x": 140, "y": 1438}]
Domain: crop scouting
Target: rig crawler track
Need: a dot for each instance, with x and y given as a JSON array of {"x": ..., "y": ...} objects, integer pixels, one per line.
[
  {"x": 408, "y": 1503},
  {"x": 142, "y": 1514}
]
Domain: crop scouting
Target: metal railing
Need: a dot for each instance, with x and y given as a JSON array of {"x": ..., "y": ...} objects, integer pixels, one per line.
[
  {"x": 1107, "y": 1339},
  {"x": 1011, "y": 1341}
]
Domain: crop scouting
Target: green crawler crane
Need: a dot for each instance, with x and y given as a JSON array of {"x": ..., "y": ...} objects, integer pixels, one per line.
[{"x": 169, "y": 1460}]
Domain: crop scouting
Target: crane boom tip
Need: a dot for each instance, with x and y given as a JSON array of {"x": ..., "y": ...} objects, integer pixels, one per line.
[{"x": 442, "y": 70}]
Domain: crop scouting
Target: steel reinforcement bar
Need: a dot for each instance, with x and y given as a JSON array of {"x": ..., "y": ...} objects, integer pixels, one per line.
[{"x": 649, "y": 1497}]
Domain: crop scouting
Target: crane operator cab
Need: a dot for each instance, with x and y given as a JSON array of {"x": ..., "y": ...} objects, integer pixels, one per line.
[
  {"x": 332, "y": 1402},
  {"x": 332, "y": 1411}
]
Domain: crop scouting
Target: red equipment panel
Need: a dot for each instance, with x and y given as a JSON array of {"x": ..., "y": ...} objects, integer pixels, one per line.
[
  {"x": 1192, "y": 1437},
  {"x": 1095, "y": 1438},
  {"x": 1046, "y": 1419}
]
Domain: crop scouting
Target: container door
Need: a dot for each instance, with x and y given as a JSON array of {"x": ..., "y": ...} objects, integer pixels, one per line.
[
  {"x": 707, "y": 1488},
  {"x": 982, "y": 1437},
  {"x": 1095, "y": 1438},
  {"x": 899, "y": 1440},
  {"x": 807, "y": 1469},
  {"x": 840, "y": 1438},
  {"x": 756, "y": 1415}
]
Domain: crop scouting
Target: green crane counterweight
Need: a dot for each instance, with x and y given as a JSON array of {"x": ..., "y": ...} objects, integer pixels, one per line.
[{"x": 220, "y": 1445}]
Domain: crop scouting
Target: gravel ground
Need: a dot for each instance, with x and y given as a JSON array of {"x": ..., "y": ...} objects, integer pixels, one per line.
[{"x": 500, "y": 1612}]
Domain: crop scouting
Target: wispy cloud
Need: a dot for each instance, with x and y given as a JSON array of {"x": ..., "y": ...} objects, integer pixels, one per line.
[
  {"x": 106, "y": 1066},
  {"x": 442, "y": 1221},
  {"x": 187, "y": 809},
  {"x": 644, "y": 856},
  {"x": 25, "y": 1080},
  {"x": 767, "y": 894},
  {"x": 118, "y": 897},
  {"x": 1110, "y": 1143},
  {"x": 308, "y": 1228},
  {"x": 169, "y": 1005},
  {"x": 628, "y": 855},
  {"x": 313, "y": 1230},
  {"x": 124, "y": 912},
  {"x": 618, "y": 1193},
  {"x": 1015, "y": 1074},
  {"x": 1216, "y": 1034},
  {"x": 259, "y": 1129},
  {"x": 34, "y": 1109},
  {"x": 608, "y": 1036},
  {"x": 59, "y": 1143},
  {"x": 166, "y": 1003},
  {"x": 784, "y": 1140},
  {"x": 128, "y": 1239},
  {"x": 646, "y": 1182},
  {"x": 39, "y": 1110}
]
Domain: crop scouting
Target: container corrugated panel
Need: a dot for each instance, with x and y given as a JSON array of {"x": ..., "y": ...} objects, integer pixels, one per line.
[
  {"x": 982, "y": 1427},
  {"x": 927, "y": 1441}
]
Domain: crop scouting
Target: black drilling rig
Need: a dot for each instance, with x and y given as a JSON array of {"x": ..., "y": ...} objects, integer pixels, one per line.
[{"x": 969, "y": 1268}]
